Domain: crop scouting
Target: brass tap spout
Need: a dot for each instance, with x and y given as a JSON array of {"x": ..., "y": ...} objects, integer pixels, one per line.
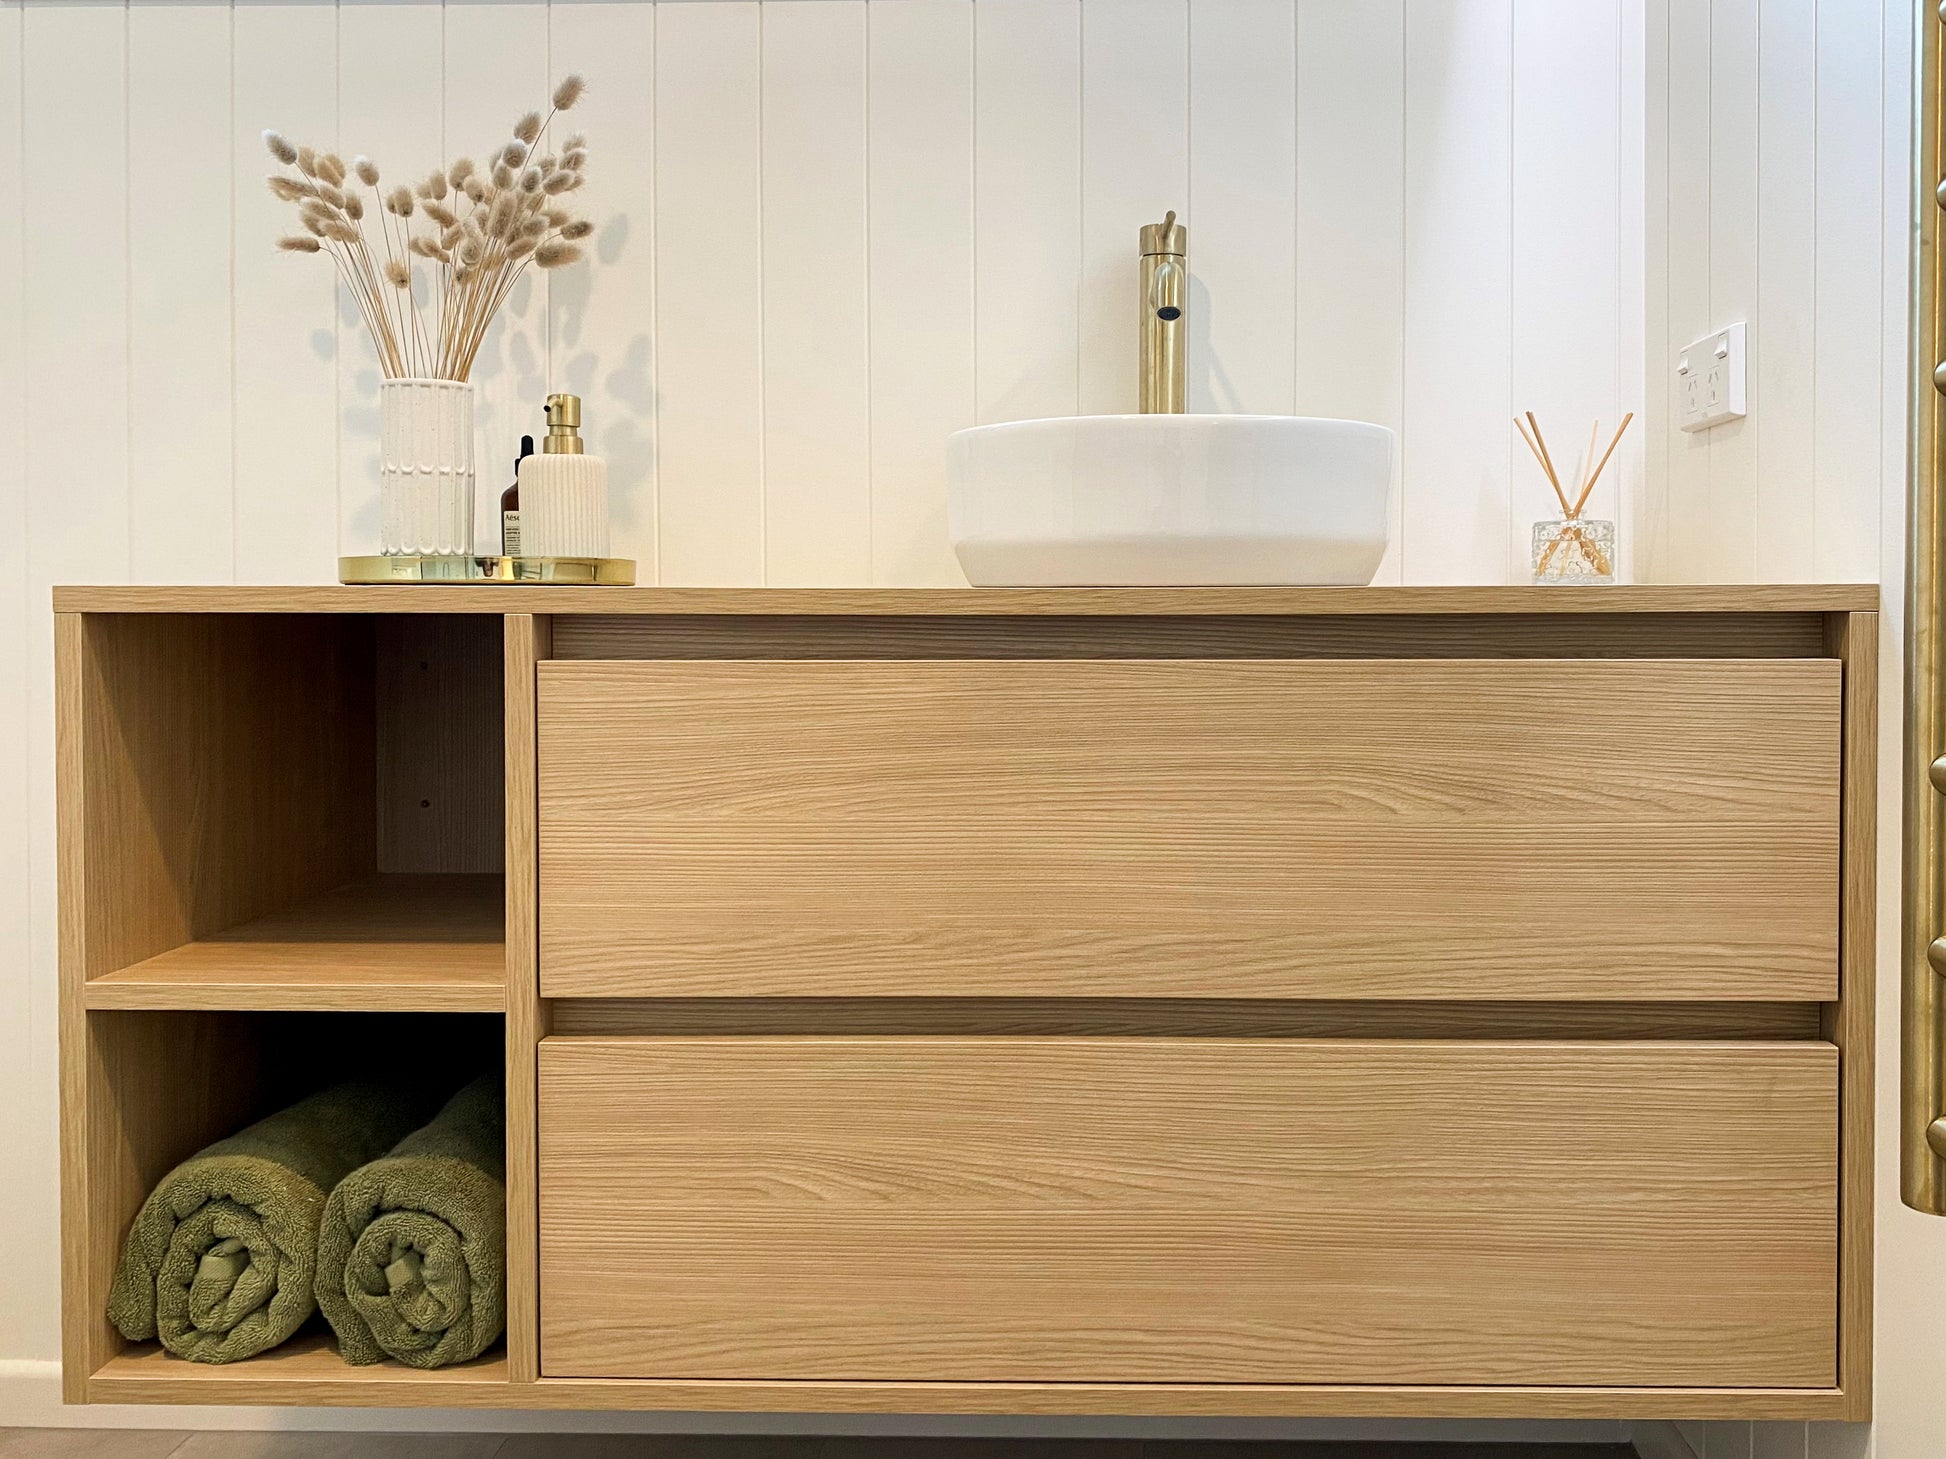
[{"x": 1161, "y": 389}]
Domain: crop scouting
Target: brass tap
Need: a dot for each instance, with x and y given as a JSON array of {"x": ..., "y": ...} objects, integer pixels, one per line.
[{"x": 1161, "y": 389}]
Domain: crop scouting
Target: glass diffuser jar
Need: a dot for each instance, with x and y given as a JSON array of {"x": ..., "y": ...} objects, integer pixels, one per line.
[{"x": 1579, "y": 550}]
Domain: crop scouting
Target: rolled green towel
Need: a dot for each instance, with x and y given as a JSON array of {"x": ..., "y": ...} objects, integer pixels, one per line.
[
  {"x": 412, "y": 1253},
  {"x": 221, "y": 1258}
]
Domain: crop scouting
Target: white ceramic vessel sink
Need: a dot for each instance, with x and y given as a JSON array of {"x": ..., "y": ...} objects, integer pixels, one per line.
[{"x": 1169, "y": 500}]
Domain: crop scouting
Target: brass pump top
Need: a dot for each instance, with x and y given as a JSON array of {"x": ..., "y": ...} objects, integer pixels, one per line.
[
  {"x": 1166, "y": 237},
  {"x": 563, "y": 426}
]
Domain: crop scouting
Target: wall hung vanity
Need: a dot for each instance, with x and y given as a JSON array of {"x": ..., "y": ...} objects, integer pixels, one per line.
[{"x": 1334, "y": 1001}]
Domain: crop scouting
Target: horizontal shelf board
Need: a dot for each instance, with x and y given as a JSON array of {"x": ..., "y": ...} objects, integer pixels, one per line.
[
  {"x": 305, "y": 1370},
  {"x": 431, "y": 944},
  {"x": 854, "y": 602}
]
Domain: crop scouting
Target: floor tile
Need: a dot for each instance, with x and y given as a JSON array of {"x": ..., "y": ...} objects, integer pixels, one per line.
[
  {"x": 240, "y": 1445},
  {"x": 89, "y": 1443},
  {"x": 659, "y": 1446}
]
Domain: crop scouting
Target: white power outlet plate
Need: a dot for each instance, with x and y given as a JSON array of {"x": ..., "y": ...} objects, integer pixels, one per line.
[{"x": 1710, "y": 381}]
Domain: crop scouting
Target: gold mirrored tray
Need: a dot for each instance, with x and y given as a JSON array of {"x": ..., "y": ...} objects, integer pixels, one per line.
[{"x": 606, "y": 571}]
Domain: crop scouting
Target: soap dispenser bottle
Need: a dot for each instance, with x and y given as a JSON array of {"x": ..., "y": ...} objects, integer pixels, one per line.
[{"x": 563, "y": 491}]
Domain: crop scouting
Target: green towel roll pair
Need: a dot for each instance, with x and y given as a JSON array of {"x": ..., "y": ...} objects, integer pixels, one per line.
[{"x": 349, "y": 1201}]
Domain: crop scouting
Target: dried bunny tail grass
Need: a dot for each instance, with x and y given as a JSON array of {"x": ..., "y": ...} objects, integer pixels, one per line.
[
  {"x": 398, "y": 273},
  {"x": 471, "y": 251},
  {"x": 530, "y": 180},
  {"x": 436, "y": 185},
  {"x": 366, "y": 169},
  {"x": 460, "y": 171},
  {"x": 354, "y": 207},
  {"x": 569, "y": 91},
  {"x": 331, "y": 168},
  {"x": 338, "y": 232},
  {"x": 503, "y": 175},
  {"x": 307, "y": 161},
  {"x": 574, "y": 159},
  {"x": 560, "y": 182},
  {"x": 425, "y": 247},
  {"x": 399, "y": 201},
  {"x": 288, "y": 189},
  {"x": 528, "y": 127},
  {"x": 580, "y": 228},
  {"x": 514, "y": 154},
  {"x": 500, "y": 217},
  {"x": 535, "y": 228},
  {"x": 449, "y": 240},
  {"x": 331, "y": 195},
  {"x": 556, "y": 217},
  {"x": 439, "y": 213},
  {"x": 298, "y": 243},
  {"x": 521, "y": 247},
  {"x": 474, "y": 189},
  {"x": 282, "y": 150},
  {"x": 575, "y": 142},
  {"x": 555, "y": 254}
]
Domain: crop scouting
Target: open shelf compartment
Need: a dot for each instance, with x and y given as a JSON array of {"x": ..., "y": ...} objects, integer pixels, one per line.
[{"x": 287, "y": 811}]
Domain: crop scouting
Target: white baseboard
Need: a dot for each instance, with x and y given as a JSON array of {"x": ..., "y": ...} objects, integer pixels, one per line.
[
  {"x": 30, "y": 1397},
  {"x": 1660, "y": 1439}
]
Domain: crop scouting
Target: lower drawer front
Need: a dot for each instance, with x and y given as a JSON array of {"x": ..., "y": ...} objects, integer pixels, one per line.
[{"x": 1189, "y": 1210}]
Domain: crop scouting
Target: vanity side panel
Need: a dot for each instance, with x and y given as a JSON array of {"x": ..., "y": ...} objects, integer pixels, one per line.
[
  {"x": 526, "y": 642},
  {"x": 1850, "y": 1023},
  {"x": 1379, "y": 829}
]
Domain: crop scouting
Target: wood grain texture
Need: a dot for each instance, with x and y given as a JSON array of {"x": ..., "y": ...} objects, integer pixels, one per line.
[
  {"x": 525, "y": 643},
  {"x": 149, "y": 1090},
  {"x": 1186, "y": 1017},
  {"x": 225, "y": 771},
  {"x": 975, "y": 602},
  {"x": 1415, "y": 635},
  {"x": 1238, "y": 828},
  {"x": 1110, "y": 1210},
  {"x": 306, "y": 1370},
  {"x": 439, "y": 744},
  {"x": 390, "y": 943},
  {"x": 1850, "y": 1023},
  {"x": 84, "y": 1332}
]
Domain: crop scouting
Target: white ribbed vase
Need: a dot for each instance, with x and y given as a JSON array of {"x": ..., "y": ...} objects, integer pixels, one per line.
[
  {"x": 563, "y": 506},
  {"x": 425, "y": 467}
]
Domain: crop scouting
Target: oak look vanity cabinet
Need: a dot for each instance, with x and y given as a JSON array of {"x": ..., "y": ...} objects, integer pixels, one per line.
[{"x": 1269, "y": 1001}]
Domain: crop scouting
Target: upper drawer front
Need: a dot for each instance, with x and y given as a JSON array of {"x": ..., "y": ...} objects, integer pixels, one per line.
[
  {"x": 1189, "y": 1210},
  {"x": 1242, "y": 828}
]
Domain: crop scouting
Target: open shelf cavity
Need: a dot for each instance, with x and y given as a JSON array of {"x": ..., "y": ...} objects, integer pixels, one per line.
[{"x": 420, "y": 943}]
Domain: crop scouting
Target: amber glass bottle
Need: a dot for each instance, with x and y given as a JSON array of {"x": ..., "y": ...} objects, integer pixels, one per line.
[{"x": 510, "y": 504}]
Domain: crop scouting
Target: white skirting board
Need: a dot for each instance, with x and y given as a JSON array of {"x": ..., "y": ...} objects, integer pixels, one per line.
[{"x": 30, "y": 1397}]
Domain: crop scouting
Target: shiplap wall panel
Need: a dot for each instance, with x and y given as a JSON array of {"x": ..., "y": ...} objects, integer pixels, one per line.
[
  {"x": 388, "y": 113},
  {"x": 1731, "y": 518},
  {"x": 1651, "y": 518},
  {"x": 1134, "y": 168},
  {"x": 601, "y": 318},
  {"x": 1687, "y": 182},
  {"x": 1027, "y": 254},
  {"x": 1567, "y": 230},
  {"x": 1459, "y": 289},
  {"x": 181, "y": 507},
  {"x": 1850, "y": 214},
  {"x": 1243, "y": 173},
  {"x": 1349, "y": 290},
  {"x": 501, "y": 48},
  {"x": 817, "y": 397},
  {"x": 919, "y": 123},
  {"x": 284, "y": 405},
  {"x": 21, "y": 1199},
  {"x": 74, "y": 111},
  {"x": 709, "y": 292},
  {"x": 1783, "y": 351}
]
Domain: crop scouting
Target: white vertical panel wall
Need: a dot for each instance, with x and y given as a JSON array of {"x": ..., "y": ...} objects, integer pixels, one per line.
[{"x": 829, "y": 232}]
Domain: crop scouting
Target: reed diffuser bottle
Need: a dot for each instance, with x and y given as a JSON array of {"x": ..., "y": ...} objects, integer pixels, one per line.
[{"x": 564, "y": 490}]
